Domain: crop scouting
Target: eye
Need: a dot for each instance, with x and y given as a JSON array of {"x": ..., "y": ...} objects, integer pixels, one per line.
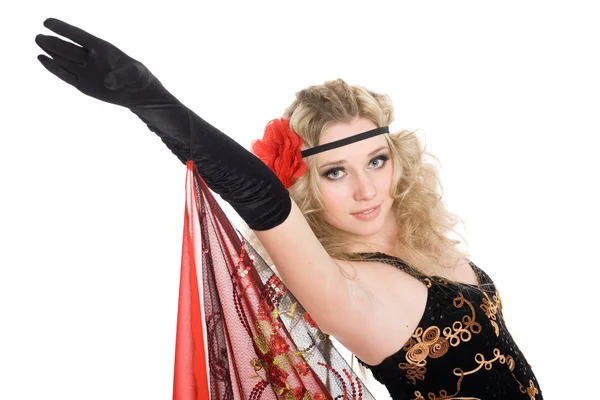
[
  {"x": 379, "y": 161},
  {"x": 334, "y": 174}
]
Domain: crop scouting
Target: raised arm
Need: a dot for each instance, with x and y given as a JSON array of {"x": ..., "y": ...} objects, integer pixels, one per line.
[{"x": 104, "y": 72}]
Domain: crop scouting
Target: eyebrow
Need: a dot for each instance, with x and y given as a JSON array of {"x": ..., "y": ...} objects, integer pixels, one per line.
[{"x": 338, "y": 162}]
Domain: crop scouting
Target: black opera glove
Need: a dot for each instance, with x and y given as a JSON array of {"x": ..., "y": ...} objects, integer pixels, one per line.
[{"x": 104, "y": 72}]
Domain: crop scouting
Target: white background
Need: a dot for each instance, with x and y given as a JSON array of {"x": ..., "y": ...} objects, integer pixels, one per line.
[{"x": 505, "y": 94}]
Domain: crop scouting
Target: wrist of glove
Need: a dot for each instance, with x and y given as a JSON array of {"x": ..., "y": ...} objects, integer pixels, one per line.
[{"x": 100, "y": 70}]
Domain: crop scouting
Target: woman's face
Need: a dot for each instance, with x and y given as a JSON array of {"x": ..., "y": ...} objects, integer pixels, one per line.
[{"x": 355, "y": 179}]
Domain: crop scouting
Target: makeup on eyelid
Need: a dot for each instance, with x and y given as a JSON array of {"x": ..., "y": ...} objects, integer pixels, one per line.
[{"x": 384, "y": 157}]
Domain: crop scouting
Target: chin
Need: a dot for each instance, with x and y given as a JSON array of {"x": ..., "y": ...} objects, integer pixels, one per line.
[{"x": 363, "y": 228}]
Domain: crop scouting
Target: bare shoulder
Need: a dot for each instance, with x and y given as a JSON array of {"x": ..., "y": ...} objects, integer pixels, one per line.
[{"x": 461, "y": 271}]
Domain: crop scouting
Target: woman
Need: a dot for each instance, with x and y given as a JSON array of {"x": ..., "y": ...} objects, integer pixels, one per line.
[{"x": 350, "y": 217}]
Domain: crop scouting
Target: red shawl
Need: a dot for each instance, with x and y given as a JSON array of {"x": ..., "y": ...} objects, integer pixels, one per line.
[{"x": 240, "y": 333}]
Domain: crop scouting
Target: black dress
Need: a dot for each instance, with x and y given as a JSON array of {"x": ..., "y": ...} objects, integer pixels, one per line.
[{"x": 461, "y": 348}]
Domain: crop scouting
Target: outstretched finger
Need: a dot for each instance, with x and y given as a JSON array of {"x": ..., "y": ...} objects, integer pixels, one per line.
[
  {"x": 59, "y": 48},
  {"x": 77, "y": 35},
  {"x": 52, "y": 66}
]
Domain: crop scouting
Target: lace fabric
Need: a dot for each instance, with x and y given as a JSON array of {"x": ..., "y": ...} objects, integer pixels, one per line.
[{"x": 240, "y": 333}]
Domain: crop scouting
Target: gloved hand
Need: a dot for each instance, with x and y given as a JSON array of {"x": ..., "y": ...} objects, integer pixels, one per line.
[
  {"x": 98, "y": 69},
  {"x": 104, "y": 72}
]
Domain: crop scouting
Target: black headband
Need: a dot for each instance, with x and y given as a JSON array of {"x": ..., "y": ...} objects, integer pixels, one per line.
[{"x": 345, "y": 141}]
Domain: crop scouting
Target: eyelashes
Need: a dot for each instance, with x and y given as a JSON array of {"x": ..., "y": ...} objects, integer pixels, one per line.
[
  {"x": 329, "y": 174},
  {"x": 383, "y": 158}
]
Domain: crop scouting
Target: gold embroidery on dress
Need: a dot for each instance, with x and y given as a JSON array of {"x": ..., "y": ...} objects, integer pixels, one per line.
[
  {"x": 430, "y": 343},
  {"x": 510, "y": 362},
  {"x": 531, "y": 391},
  {"x": 413, "y": 372},
  {"x": 426, "y": 343},
  {"x": 483, "y": 363},
  {"x": 443, "y": 280},
  {"x": 462, "y": 333},
  {"x": 444, "y": 394},
  {"x": 487, "y": 364},
  {"x": 491, "y": 308}
]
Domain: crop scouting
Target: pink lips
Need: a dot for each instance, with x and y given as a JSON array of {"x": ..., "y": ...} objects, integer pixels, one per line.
[{"x": 368, "y": 214}]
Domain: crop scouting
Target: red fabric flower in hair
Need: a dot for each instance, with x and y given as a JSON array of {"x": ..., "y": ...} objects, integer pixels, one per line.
[{"x": 280, "y": 150}]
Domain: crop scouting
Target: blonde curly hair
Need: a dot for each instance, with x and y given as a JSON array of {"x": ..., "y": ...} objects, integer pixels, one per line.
[{"x": 424, "y": 224}]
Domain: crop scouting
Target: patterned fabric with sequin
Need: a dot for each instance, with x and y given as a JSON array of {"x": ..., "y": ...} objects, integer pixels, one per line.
[{"x": 461, "y": 348}]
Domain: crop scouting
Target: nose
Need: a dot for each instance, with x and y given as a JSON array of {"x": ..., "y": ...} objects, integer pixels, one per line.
[{"x": 364, "y": 187}]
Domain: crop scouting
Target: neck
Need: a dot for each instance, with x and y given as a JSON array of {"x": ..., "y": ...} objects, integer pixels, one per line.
[{"x": 384, "y": 241}]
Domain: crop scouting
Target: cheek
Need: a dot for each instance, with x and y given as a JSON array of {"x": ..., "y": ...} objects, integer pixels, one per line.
[
  {"x": 334, "y": 196},
  {"x": 385, "y": 183}
]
